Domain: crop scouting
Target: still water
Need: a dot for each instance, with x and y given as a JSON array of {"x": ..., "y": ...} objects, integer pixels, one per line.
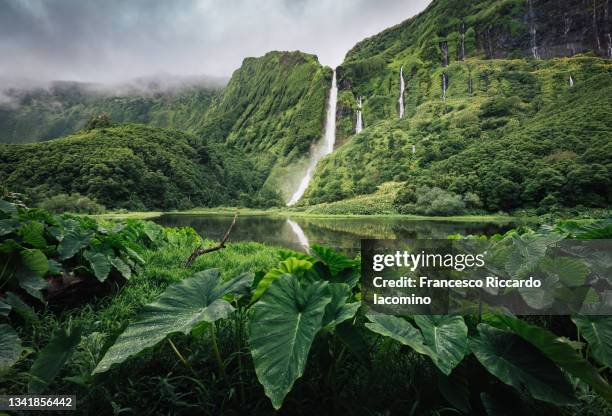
[{"x": 343, "y": 234}]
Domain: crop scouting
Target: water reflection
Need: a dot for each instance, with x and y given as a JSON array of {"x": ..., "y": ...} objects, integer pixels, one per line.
[{"x": 340, "y": 233}]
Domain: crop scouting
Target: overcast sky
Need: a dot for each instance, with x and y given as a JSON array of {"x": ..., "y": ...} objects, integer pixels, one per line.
[{"x": 116, "y": 40}]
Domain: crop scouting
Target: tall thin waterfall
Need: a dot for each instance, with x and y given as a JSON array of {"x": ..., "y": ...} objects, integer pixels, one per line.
[
  {"x": 402, "y": 89},
  {"x": 323, "y": 147},
  {"x": 532, "y": 29},
  {"x": 359, "y": 125},
  {"x": 571, "y": 82},
  {"x": 444, "y": 86}
]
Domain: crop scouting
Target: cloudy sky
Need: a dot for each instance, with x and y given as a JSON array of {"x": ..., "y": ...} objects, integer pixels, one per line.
[{"x": 116, "y": 40}]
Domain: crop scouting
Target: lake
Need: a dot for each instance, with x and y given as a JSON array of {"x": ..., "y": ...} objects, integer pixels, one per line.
[{"x": 343, "y": 234}]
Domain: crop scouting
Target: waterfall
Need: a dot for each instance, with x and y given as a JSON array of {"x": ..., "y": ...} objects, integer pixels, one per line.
[
  {"x": 444, "y": 47},
  {"x": 609, "y": 44},
  {"x": 571, "y": 82},
  {"x": 413, "y": 149},
  {"x": 359, "y": 125},
  {"x": 532, "y": 29},
  {"x": 444, "y": 86},
  {"x": 299, "y": 233},
  {"x": 402, "y": 89},
  {"x": 323, "y": 147},
  {"x": 463, "y": 41}
]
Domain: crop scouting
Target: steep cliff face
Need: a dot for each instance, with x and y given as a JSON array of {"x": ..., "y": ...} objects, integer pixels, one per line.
[
  {"x": 273, "y": 109},
  {"x": 477, "y": 74}
]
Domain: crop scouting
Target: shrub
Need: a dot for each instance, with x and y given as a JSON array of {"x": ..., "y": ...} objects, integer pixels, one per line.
[{"x": 75, "y": 203}]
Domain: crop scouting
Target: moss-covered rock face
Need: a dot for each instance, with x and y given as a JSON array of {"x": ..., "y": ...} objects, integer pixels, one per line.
[
  {"x": 273, "y": 109},
  {"x": 509, "y": 112},
  {"x": 131, "y": 166}
]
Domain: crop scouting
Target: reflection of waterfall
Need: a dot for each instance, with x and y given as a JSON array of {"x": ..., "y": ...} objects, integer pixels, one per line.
[
  {"x": 444, "y": 85},
  {"x": 609, "y": 37},
  {"x": 299, "y": 233},
  {"x": 359, "y": 125},
  {"x": 325, "y": 146},
  {"x": 532, "y": 29},
  {"x": 401, "y": 97},
  {"x": 571, "y": 82}
]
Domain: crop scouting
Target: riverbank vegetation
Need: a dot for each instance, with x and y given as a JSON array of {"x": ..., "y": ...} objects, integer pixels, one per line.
[{"x": 163, "y": 338}]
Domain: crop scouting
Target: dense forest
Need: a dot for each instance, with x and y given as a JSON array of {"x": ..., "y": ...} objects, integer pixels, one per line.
[{"x": 506, "y": 106}]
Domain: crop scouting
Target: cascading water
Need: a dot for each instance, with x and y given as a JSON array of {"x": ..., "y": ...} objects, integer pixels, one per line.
[
  {"x": 444, "y": 86},
  {"x": 532, "y": 30},
  {"x": 571, "y": 82},
  {"x": 609, "y": 37},
  {"x": 402, "y": 89},
  {"x": 359, "y": 125},
  {"x": 323, "y": 147}
]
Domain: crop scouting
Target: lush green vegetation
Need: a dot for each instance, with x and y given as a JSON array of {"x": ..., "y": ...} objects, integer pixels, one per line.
[
  {"x": 134, "y": 167},
  {"x": 65, "y": 108},
  {"x": 180, "y": 340}
]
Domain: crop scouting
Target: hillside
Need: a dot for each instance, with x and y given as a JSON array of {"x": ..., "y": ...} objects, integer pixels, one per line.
[
  {"x": 484, "y": 115},
  {"x": 273, "y": 109},
  {"x": 131, "y": 166},
  {"x": 30, "y": 114}
]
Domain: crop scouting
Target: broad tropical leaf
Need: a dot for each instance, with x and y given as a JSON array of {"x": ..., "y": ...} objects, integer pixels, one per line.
[
  {"x": 7, "y": 207},
  {"x": 556, "y": 349},
  {"x": 520, "y": 365},
  {"x": 10, "y": 347},
  {"x": 5, "y": 308},
  {"x": 74, "y": 240},
  {"x": 284, "y": 324},
  {"x": 332, "y": 259},
  {"x": 446, "y": 336},
  {"x": 338, "y": 310},
  {"x": 400, "y": 330},
  {"x": 292, "y": 266},
  {"x": 570, "y": 271},
  {"x": 8, "y": 225},
  {"x": 99, "y": 263},
  {"x": 36, "y": 261},
  {"x": 597, "y": 330},
  {"x": 121, "y": 267},
  {"x": 52, "y": 358},
  {"x": 33, "y": 233},
  {"x": 181, "y": 307}
]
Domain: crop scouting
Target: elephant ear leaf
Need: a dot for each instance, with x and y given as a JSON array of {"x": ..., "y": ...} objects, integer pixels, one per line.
[
  {"x": 284, "y": 324},
  {"x": 52, "y": 358},
  {"x": 10, "y": 347},
  {"x": 597, "y": 330},
  {"x": 447, "y": 337},
  {"x": 562, "y": 353},
  {"x": 400, "y": 330},
  {"x": 179, "y": 309},
  {"x": 338, "y": 310},
  {"x": 335, "y": 261},
  {"x": 519, "y": 364},
  {"x": 292, "y": 265}
]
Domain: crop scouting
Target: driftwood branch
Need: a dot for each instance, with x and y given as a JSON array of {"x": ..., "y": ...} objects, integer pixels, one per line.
[{"x": 201, "y": 250}]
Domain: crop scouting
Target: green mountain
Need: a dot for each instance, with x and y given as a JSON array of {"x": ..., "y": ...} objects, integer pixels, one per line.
[
  {"x": 497, "y": 100},
  {"x": 30, "y": 114},
  {"x": 273, "y": 109},
  {"x": 130, "y": 166}
]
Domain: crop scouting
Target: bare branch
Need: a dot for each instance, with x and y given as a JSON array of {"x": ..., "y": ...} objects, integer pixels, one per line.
[{"x": 201, "y": 250}]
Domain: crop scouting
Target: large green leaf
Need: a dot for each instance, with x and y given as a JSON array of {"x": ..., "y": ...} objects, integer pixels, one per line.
[
  {"x": 5, "y": 308},
  {"x": 74, "y": 240},
  {"x": 10, "y": 347},
  {"x": 332, "y": 259},
  {"x": 443, "y": 338},
  {"x": 520, "y": 365},
  {"x": 446, "y": 336},
  {"x": 99, "y": 263},
  {"x": 400, "y": 330},
  {"x": 8, "y": 225},
  {"x": 597, "y": 330},
  {"x": 556, "y": 349},
  {"x": 338, "y": 310},
  {"x": 33, "y": 233},
  {"x": 291, "y": 265},
  {"x": 571, "y": 272},
  {"x": 121, "y": 267},
  {"x": 527, "y": 250},
  {"x": 52, "y": 358},
  {"x": 35, "y": 260},
  {"x": 7, "y": 207},
  {"x": 284, "y": 324},
  {"x": 181, "y": 307}
]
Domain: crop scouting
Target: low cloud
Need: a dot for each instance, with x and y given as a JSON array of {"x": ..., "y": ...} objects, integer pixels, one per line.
[{"x": 116, "y": 40}]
